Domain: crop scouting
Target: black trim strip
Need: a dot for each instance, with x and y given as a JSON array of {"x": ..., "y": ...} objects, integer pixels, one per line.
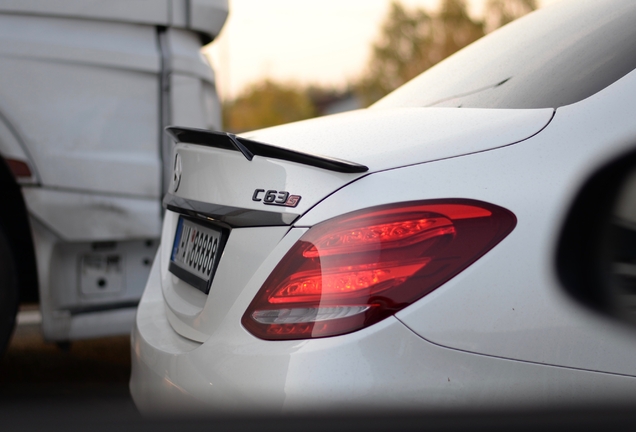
[
  {"x": 103, "y": 308},
  {"x": 165, "y": 111},
  {"x": 233, "y": 216},
  {"x": 251, "y": 148},
  {"x": 240, "y": 147}
]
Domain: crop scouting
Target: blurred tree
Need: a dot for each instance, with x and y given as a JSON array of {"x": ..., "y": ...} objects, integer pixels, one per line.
[
  {"x": 457, "y": 28},
  {"x": 265, "y": 104},
  {"x": 498, "y": 13},
  {"x": 330, "y": 100},
  {"x": 406, "y": 38},
  {"x": 411, "y": 41}
]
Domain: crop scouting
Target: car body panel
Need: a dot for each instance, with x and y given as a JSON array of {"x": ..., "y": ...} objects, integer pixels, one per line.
[
  {"x": 390, "y": 138},
  {"x": 392, "y": 368},
  {"x": 525, "y": 315}
]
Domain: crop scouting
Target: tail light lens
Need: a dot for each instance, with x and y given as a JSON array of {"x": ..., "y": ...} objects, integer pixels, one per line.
[
  {"x": 357, "y": 269},
  {"x": 19, "y": 169}
]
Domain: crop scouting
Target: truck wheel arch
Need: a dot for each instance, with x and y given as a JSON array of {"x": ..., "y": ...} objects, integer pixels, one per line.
[{"x": 14, "y": 221}]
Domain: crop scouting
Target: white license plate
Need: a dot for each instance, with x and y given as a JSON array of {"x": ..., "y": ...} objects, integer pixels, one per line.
[{"x": 195, "y": 253}]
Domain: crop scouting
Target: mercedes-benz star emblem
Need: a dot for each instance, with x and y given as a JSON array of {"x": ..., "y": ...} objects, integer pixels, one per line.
[{"x": 176, "y": 179}]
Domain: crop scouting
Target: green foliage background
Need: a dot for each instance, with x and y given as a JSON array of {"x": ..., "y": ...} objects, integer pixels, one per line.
[{"x": 410, "y": 41}]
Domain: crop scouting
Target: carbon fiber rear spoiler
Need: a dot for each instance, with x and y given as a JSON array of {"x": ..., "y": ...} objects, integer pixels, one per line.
[{"x": 249, "y": 149}]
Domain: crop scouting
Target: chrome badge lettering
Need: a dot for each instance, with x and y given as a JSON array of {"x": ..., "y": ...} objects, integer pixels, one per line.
[{"x": 277, "y": 198}]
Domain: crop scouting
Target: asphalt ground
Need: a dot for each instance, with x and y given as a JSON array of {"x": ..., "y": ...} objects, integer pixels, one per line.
[
  {"x": 45, "y": 386},
  {"x": 33, "y": 367}
]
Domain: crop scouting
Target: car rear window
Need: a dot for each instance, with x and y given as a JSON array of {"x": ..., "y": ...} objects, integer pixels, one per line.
[{"x": 554, "y": 57}]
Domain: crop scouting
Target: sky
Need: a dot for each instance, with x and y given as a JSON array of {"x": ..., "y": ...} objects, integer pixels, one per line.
[{"x": 325, "y": 42}]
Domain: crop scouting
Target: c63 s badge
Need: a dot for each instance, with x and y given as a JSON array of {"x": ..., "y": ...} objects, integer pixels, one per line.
[{"x": 277, "y": 198}]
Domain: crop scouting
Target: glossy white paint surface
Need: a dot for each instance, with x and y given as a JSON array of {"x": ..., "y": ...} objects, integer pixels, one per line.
[
  {"x": 509, "y": 303},
  {"x": 390, "y": 138},
  {"x": 385, "y": 367}
]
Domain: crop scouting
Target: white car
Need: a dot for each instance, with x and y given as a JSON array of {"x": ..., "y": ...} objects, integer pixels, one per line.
[{"x": 402, "y": 256}]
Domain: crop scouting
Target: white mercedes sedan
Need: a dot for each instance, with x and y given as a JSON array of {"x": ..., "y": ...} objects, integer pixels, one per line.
[{"x": 401, "y": 256}]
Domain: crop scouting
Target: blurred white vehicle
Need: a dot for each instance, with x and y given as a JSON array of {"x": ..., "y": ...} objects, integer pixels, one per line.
[
  {"x": 399, "y": 257},
  {"x": 86, "y": 88}
]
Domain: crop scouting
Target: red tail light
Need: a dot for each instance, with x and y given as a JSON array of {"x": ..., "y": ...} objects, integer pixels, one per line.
[
  {"x": 19, "y": 169},
  {"x": 357, "y": 269}
]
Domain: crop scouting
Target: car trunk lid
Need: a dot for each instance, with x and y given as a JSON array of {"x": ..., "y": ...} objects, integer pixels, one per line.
[{"x": 250, "y": 196}]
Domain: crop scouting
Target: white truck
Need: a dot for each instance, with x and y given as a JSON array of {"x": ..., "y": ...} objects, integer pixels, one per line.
[{"x": 86, "y": 89}]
